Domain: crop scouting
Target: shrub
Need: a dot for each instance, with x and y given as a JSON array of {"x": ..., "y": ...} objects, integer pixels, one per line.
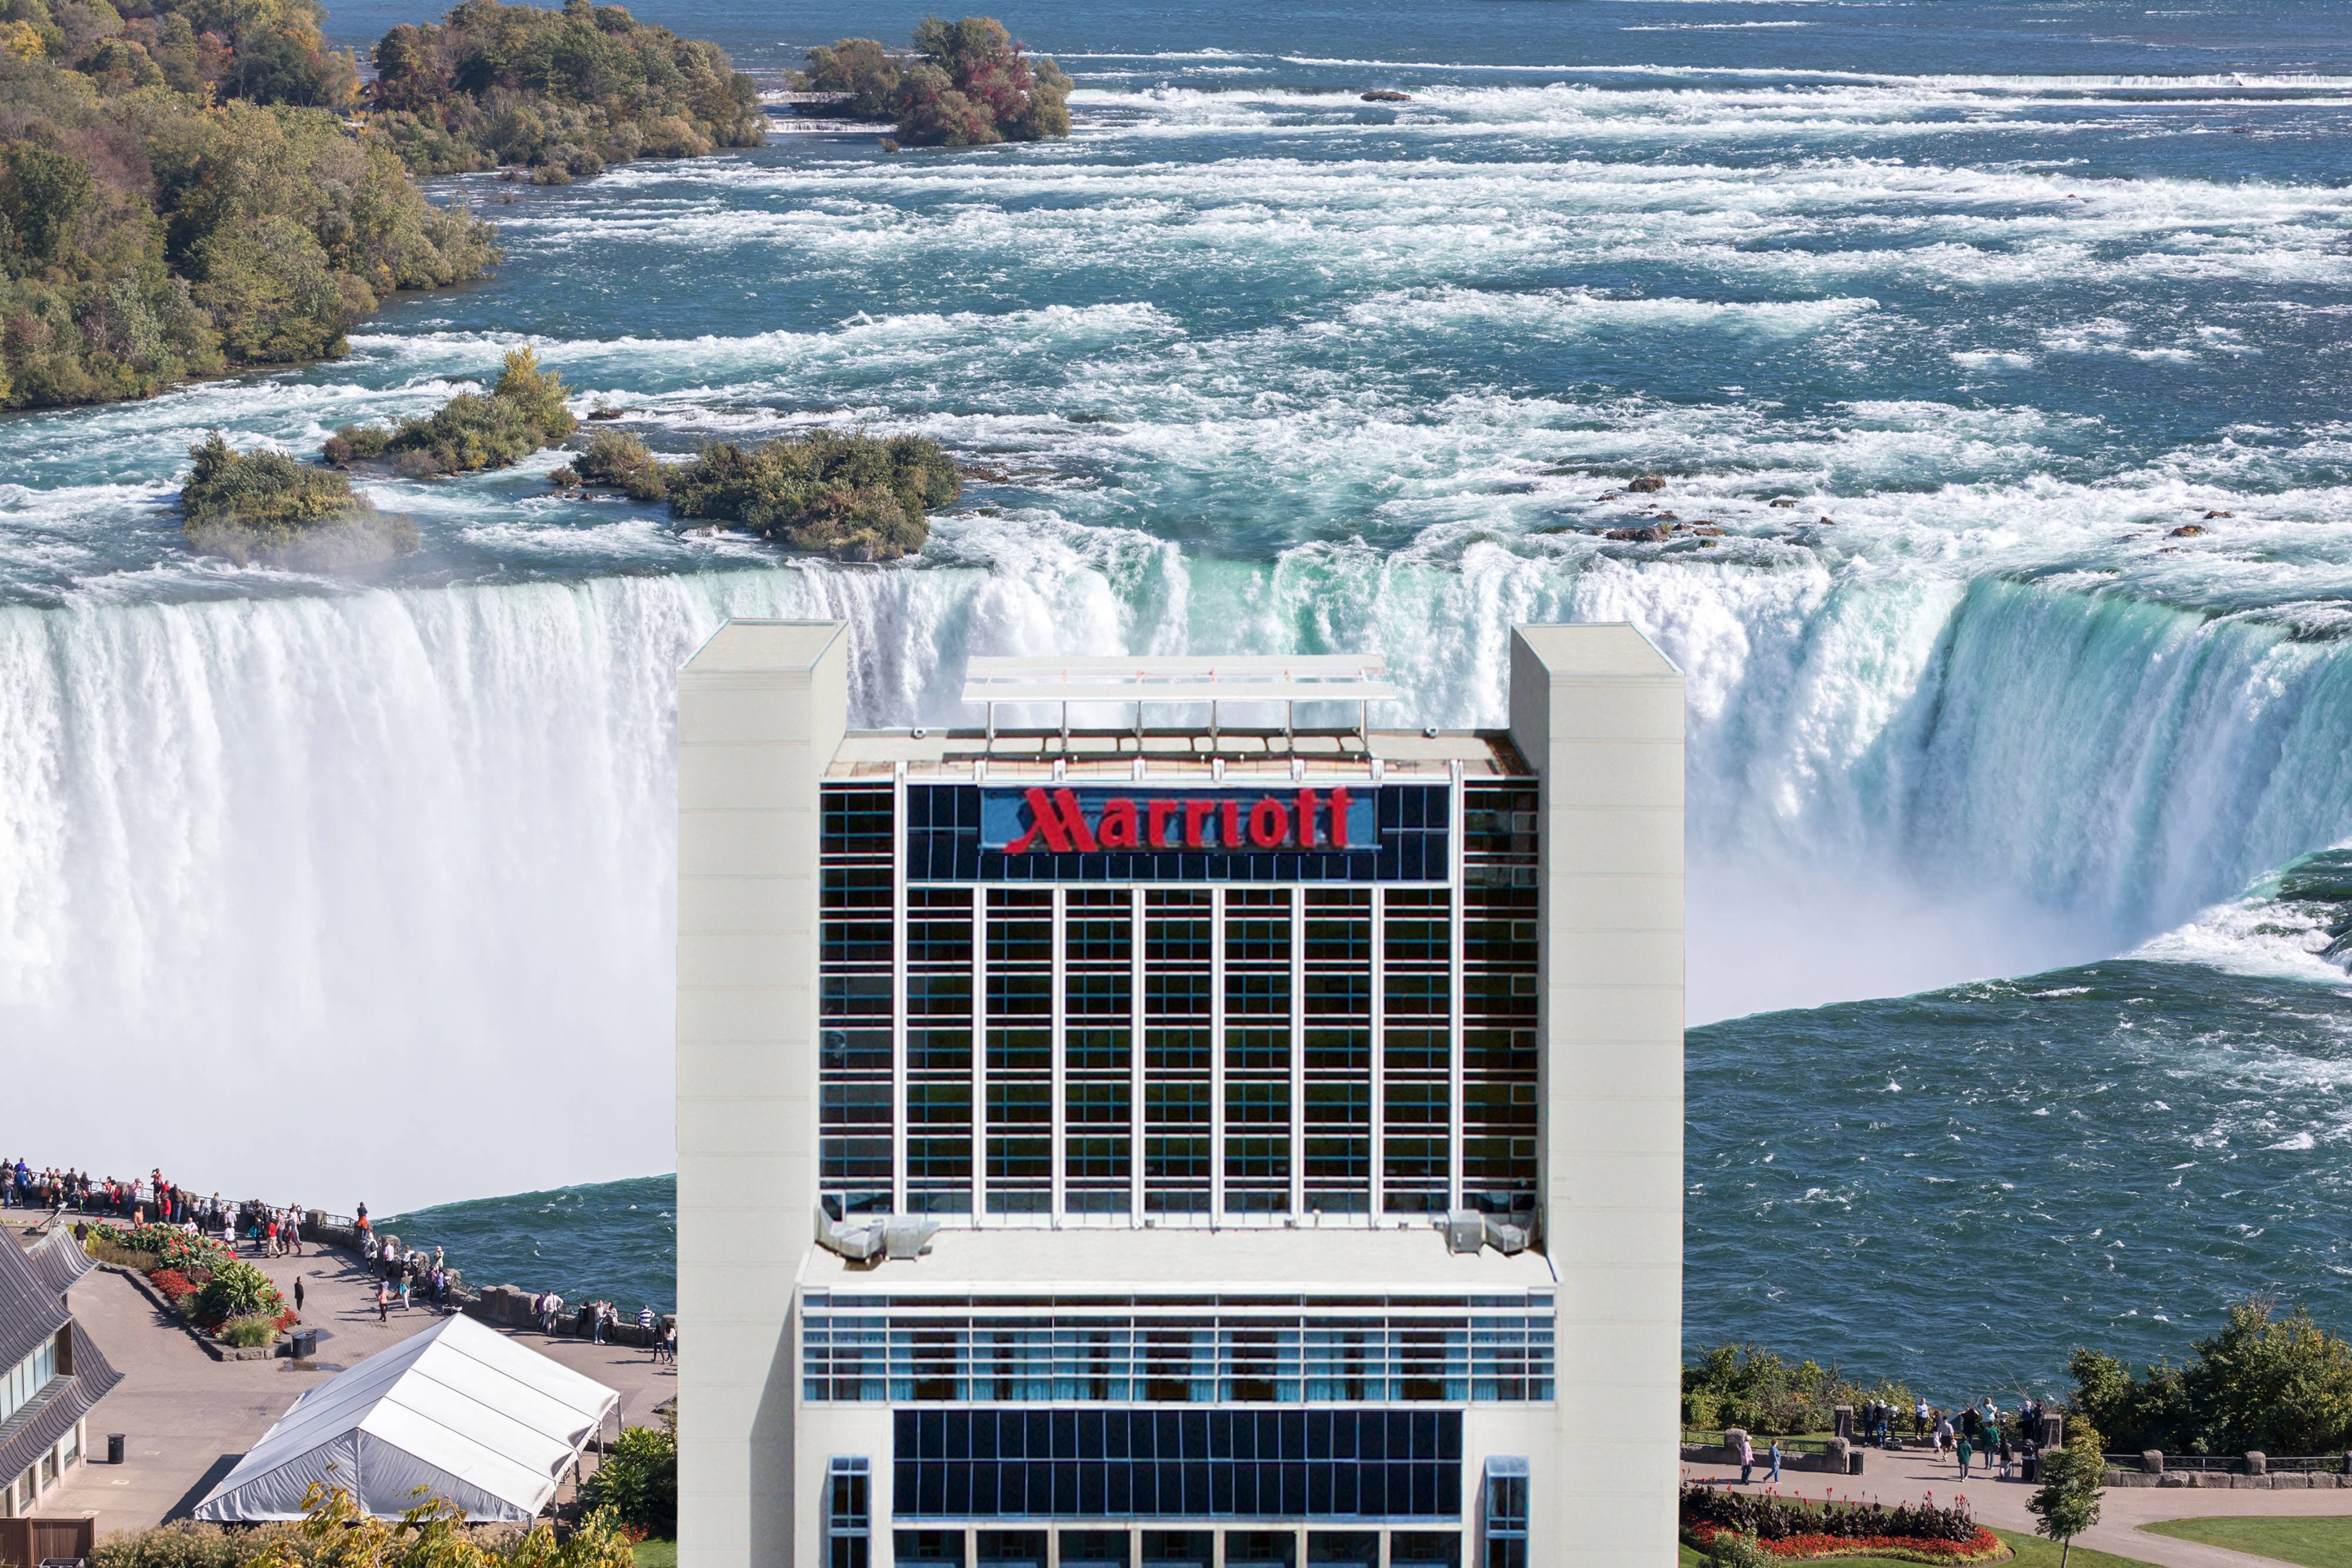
[
  {"x": 522, "y": 413},
  {"x": 967, "y": 84},
  {"x": 562, "y": 92},
  {"x": 171, "y": 1246},
  {"x": 637, "y": 1481},
  {"x": 855, "y": 497},
  {"x": 250, "y": 1331},
  {"x": 1730, "y": 1548},
  {"x": 1769, "y": 1517},
  {"x": 2270, "y": 1380},
  {"x": 236, "y": 1290},
  {"x": 333, "y": 1531},
  {"x": 185, "y": 1544},
  {"x": 622, "y": 461},
  {"x": 1752, "y": 1387},
  {"x": 106, "y": 1251},
  {"x": 265, "y": 506}
]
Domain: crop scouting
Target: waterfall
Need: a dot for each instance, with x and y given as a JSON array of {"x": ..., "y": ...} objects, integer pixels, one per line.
[{"x": 383, "y": 879}]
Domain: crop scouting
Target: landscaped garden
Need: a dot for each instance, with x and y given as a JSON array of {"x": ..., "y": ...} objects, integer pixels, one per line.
[
  {"x": 1795, "y": 1529},
  {"x": 205, "y": 1281}
]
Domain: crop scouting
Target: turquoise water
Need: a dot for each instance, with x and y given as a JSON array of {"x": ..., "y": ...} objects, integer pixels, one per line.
[
  {"x": 615, "y": 1241},
  {"x": 2008, "y": 293}
]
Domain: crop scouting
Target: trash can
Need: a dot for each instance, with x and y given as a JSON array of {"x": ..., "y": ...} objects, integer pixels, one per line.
[
  {"x": 2030, "y": 1470},
  {"x": 305, "y": 1343},
  {"x": 114, "y": 1447}
]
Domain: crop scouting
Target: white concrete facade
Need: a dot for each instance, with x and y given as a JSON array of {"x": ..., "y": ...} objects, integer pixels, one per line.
[{"x": 1597, "y": 717}]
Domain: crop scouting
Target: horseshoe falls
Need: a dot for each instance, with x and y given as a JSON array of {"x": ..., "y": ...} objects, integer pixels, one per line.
[{"x": 2004, "y": 349}]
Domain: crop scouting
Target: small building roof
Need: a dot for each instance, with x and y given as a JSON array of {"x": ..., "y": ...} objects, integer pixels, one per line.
[
  {"x": 32, "y": 1310},
  {"x": 1323, "y": 1262},
  {"x": 460, "y": 1410}
]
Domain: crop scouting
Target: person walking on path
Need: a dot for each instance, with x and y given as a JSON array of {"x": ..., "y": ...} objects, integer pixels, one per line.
[
  {"x": 1746, "y": 1459},
  {"x": 298, "y": 1296},
  {"x": 405, "y": 1283},
  {"x": 1775, "y": 1477},
  {"x": 2007, "y": 1454},
  {"x": 1965, "y": 1450},
  {"x": 383, "y": 1301},
  {"x": 669, "y": 1343}
]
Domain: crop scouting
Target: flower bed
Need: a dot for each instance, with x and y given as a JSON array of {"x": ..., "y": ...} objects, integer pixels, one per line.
[
  {"x": 1798, "y": 1530},
  {"x": 1982, "y": 1547},
  {"x": 177, "y": 1287}
]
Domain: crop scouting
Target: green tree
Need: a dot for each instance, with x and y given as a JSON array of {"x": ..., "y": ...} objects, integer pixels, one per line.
[
  {"x": 636, "y": 1481},
  {"x": 851, "y": 497},
  {"x": 2068, "y": 1500},
  {"x": 2270, "y": 1380}
]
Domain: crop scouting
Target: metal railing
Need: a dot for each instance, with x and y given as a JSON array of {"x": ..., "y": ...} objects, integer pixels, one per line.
[{"x": 1787, "y": 1445}]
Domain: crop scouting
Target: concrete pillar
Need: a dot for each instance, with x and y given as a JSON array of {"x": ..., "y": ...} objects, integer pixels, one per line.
[
  {"x": 2151, "y": 1461},
  {"x": 1597, "y": 711},
  {"x": 762, "y": 708}
]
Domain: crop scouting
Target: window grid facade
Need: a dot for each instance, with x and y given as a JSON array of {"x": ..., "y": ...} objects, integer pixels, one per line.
[
  {"x": 1499, "y": 1350},
  {"x": 1121, "y": 1054}
]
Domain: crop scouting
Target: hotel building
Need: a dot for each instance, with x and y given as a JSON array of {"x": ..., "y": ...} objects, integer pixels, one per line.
[{"x": 1179, "y": 1147}]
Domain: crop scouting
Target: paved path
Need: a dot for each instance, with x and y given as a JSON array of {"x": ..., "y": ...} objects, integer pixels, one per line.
[
  {"x": 1908, "y": 1475},
  {"x": 188, "y": 1418}
]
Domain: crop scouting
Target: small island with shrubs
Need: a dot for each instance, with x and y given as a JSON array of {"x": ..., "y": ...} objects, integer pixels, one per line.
[
  {"x": 967, "y": 83},
  {"x": 523, "y": 411},
  {"x": 266, "y": 508},
  {"x": 561, "y": 93},
  {"x": 854, "y": 497}
]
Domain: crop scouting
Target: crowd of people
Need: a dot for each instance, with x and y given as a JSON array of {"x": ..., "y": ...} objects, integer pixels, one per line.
[
  {"x": 270, "y": 1230},
  {"x": 1979, "y": 1436},
  {"x": 403, "y": 1275}
]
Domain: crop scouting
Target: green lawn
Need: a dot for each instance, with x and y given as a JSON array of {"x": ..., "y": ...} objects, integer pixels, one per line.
[
  {"x": 2313, "y": 1542},
  {"x": 2032, "y": 1551},
  {"x": 656, "y": 1554}
]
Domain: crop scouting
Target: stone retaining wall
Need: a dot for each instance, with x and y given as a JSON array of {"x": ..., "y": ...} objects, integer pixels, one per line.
[{"x": 2278, "y": 1481}]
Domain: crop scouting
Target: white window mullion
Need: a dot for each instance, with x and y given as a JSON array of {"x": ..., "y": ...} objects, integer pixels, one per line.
[
  {"x": 980, "y": 1055},
  {"x": 898, "y": 989},
  {"x": 1379, "y": 1053},
  {"x": 1060, "y": 1024},
  {"x": 1135, "y": 1057},
  {"x": 1216, "y": 1056},
  {"x": 1454, "y": 1035},
  {"x": 1298, "y": 1052}
]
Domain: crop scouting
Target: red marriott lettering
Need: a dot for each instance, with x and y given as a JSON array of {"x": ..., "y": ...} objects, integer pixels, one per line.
[{"x": 1059, "y": 824}]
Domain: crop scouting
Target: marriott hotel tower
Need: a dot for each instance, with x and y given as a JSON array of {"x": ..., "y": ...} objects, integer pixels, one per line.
[{"x": 1176, "y": 1122}]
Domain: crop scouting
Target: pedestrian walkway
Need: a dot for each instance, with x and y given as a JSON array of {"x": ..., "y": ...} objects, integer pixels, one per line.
[
  {"x": 188, "y": 1418},
  {"x": 1909, "y": 1475}
]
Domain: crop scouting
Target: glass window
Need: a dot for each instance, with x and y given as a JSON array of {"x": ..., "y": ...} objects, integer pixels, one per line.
[
  {"x": 848, "y": 1515},
  {"x": 1507, "y": 1513}
]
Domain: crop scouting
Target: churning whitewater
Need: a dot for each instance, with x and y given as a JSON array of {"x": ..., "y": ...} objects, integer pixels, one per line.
[{"x": 2008, "y": 364}]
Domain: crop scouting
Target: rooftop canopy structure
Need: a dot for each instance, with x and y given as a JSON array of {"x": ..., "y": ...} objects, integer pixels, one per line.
[
  {"x": 1287, "y": 678},
  {"x": 460, "y": 1411}
]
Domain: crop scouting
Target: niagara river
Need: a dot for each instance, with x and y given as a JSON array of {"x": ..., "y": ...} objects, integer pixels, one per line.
[{"x": 2006, "y": 345}]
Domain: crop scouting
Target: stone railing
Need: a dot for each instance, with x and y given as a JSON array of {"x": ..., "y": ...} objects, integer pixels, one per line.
[{"x": 2250, "y": 1472}]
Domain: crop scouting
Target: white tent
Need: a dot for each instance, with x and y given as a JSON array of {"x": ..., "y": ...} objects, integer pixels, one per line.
[{"x": 460, "y": 1410}]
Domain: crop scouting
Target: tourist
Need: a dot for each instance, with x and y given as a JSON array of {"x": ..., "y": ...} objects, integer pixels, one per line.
[
  {"x": 645, "y": 1321},
  {"x": 669, "y": 1343},
  {"x": 1943, "y": 1434},
  {"x": 554, "y": 1310},
  {"x": 1747, "y": 1458},
  {"x": 1964, "y": 1451},
  {"x": 404, "y": 1281},
  {"x": 1775, "y": 1477},
  {"x": 597, "y": 1310},
  {"x": 2006, "y": 1456},
  {"x": 383, "y": 1300},
  {"x": 298, "y": 1296}
]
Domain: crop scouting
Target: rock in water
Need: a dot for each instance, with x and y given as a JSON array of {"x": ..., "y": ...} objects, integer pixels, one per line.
[
  {"x": 1647, "y": 484},
  {"x": 2188, "y": 531},
  {"x": 1387, "y": 95}
]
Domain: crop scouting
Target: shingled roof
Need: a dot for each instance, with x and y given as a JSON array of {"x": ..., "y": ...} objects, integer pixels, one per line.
[{"x": 32, "y": 1310}]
